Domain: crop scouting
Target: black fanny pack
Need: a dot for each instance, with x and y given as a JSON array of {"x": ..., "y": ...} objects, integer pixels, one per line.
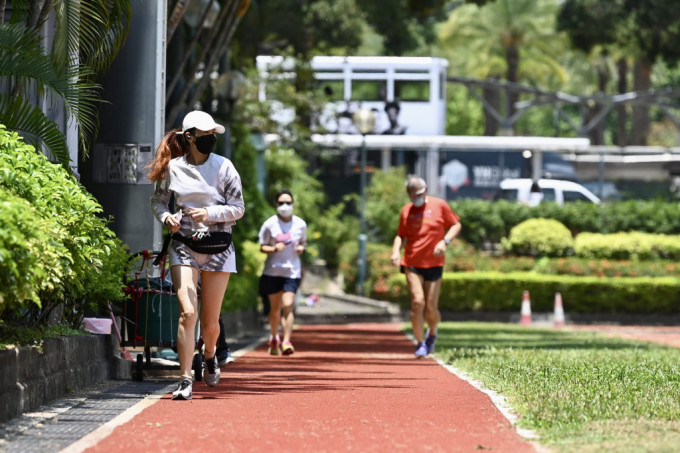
[
  {"x": 201, "y": 242},
  {"x": 207, "y": 243}
]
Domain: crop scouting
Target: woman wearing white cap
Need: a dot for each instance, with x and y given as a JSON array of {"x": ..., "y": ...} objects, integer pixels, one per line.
[{"x": 208, "y": 200}]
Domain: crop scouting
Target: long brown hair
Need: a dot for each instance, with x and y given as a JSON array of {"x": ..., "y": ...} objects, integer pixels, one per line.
[{"x": 173, "y": 145}]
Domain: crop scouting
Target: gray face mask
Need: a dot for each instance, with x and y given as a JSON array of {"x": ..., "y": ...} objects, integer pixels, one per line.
[{"x": 418, "y": 202}]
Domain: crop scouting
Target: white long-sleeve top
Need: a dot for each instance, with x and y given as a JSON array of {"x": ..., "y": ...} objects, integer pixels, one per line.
[{"x": 214, "y": 185}]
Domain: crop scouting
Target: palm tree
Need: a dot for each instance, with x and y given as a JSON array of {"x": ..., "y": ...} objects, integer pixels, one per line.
[
  {"x": 57, "y": 68},
  {"x": 512, "y": 40}
]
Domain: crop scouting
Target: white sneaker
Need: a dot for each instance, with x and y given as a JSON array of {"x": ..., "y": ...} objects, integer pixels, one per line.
[
  {"x": 224, "y": 358},
  {"x": 212, "y": 372},
  {"x": 183, "y": 391}
]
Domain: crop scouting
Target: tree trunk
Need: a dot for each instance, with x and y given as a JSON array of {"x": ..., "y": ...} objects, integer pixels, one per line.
[
  {"x": 512, "y": 60},
  {"x": 596, "y": 134},
  {"x": 176, "y": 16},
  {"x": 492, "y": 96},
  {"x": 641, "y": 82},
  {"x": 620, "y": 137}
]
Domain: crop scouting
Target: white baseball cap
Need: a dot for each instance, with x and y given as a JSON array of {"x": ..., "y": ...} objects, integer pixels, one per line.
[{"x": 201, "y": 121}]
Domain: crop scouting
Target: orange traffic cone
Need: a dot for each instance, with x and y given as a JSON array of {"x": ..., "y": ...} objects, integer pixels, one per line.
[
  {"x": 525, "y": 318},
  {"x": 559, "y": 310}
]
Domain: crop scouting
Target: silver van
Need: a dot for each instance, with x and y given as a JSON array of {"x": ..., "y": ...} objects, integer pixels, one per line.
[{"x": 553, "y": 190}]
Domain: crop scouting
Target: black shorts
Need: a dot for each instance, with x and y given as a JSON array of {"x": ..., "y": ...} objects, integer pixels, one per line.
[
  {"x": 430, "y": 274},
  {"x": 272, "y": 285}
]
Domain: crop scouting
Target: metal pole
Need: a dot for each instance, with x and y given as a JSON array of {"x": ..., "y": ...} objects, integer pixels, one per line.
[{"x": 362, "y": 222}]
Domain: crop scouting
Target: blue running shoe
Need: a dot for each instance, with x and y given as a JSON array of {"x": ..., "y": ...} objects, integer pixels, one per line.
[
  {"x": 421, "y": 351},
  {"x": 429, "y": 342}
]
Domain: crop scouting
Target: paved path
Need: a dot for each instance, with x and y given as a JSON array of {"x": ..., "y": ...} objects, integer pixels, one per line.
[{"x": 353, "y": 387}]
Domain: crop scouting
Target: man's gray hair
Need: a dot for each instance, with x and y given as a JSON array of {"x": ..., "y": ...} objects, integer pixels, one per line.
[{"x": 414, "y": 182}]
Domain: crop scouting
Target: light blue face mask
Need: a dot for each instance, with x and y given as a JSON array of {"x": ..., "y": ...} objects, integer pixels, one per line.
[{"x": 418, "y": 202}]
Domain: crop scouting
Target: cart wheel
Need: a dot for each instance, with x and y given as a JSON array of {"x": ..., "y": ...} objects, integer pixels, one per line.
[
  {"x": 140, "y": 367},
  {"x": 198, "y": 366}
]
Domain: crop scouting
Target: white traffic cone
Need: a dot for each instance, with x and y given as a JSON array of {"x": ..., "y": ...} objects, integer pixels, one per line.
[
  {"x": 525, "y": 318},
  {"x": 559, "y": 310}
]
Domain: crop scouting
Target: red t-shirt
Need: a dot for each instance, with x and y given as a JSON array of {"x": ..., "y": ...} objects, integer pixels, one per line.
[{"x": 422, "y": 228}]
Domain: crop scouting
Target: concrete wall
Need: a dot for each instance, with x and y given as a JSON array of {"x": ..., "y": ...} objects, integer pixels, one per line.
[{"x": 31, "y": 376}]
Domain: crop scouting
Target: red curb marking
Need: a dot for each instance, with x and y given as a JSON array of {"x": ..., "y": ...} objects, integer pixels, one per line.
[{"x": 352, "y": 388}]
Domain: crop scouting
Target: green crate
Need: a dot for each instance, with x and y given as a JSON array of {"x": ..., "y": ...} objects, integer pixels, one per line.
[{"x": 156, "y": 314}]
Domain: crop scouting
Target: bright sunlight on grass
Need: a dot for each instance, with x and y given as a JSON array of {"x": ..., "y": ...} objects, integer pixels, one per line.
[{"x": 580, "y": 391}]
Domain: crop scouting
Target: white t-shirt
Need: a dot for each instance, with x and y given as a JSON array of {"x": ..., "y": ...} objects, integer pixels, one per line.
[
  {"x": 214, "y": 185},
  {"x": 285, "y": 263}
]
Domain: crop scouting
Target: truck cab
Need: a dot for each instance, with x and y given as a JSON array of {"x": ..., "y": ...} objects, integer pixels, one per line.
[{"x": 554, "y": 190}]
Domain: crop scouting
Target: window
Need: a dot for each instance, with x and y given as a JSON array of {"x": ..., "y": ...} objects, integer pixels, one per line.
[
  {"x": 548, "y": 194},
  {"x": 369, "y": 90},
  {"x": 571, "y": 195},
  {"x": 412, "y": 91},
  {"x": 334, "y": 90},
  {"x": 509, "y": 194}
]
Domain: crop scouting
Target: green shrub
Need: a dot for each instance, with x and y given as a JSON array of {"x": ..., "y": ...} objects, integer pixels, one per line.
[
  {"x": 81, "y": 262},
  {"x": 633, "y": 245},
  {"x": 492, "y": 291},
  {"x": 490, "y": 221},
  {"x": 385, "y": 196},
  {"x": 543, "y": 237}
]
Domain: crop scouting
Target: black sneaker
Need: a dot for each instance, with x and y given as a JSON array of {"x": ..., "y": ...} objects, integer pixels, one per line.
[
  {"x": 212, "y": 372},
  {"x": 183, "y": 391}
]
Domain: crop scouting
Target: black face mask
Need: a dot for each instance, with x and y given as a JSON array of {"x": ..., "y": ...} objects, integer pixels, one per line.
[{"x": 206, "y": 143}]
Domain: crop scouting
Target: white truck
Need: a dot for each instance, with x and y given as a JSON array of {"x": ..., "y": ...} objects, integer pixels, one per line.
[{"x": 553, "y": 190}]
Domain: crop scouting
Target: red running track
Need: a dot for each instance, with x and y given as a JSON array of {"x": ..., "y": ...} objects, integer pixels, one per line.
[{"x": 354, "y": 387}]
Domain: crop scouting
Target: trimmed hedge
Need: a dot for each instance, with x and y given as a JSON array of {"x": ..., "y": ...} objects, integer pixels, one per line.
[
  {"x": 539, "y": 237},
  {"x": 633, "y": 245},
  {"x": 492, "y": 291},
  {"x": 489, "y": 221}
]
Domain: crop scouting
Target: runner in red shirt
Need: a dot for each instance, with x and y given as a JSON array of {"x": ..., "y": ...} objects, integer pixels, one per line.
[{"x": 426, "y": 226}]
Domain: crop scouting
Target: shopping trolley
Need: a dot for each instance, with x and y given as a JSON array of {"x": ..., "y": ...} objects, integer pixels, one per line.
[{"x": 151, "y": 313}]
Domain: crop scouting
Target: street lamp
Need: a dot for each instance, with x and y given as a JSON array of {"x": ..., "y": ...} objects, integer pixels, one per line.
[{"x": 364, "y": 120}]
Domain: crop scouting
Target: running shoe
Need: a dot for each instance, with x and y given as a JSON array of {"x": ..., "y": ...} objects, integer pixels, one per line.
[
  {"x": 274, "y": 344},
  {"x": 287, "y": 348},
  {"x": 421, "y": 350},
  {"x": 183, "y": 391},
  {"x": 224, "y": 358},
  {"x": 212, "y": 372},
  {"x": 429, "y": 342}
]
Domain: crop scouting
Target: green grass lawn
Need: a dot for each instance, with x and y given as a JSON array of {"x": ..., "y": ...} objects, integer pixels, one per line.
[{"x": 580, "y": 391}]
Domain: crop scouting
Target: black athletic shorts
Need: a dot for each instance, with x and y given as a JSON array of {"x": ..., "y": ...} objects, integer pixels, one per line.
[{"x": 430, "y": 274}]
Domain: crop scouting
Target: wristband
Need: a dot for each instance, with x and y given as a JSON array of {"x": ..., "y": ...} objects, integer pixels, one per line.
[{"x": 447, "y": 241}]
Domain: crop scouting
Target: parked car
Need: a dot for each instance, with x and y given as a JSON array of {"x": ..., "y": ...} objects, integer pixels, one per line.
[{"x": 553, "y": 190}]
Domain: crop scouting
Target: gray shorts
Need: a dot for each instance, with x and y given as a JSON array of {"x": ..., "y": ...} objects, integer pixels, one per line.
[{"x": 181, "y": 255}]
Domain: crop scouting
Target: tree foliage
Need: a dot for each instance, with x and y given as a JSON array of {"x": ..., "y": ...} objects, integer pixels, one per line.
[{"x": 87, "y": 37}]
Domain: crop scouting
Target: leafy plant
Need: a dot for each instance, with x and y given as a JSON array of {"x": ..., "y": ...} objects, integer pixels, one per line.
[
  {"x": 544, "y": 237},
  {"x": 385, "y": 197},
  {"x": 87, "y": 38},
  {"x": 81, "y": 261}
]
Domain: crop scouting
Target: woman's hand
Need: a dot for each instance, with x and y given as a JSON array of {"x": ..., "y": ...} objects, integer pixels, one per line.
[
  {"x": 172, "y": 222},
  {"x": 300, "y": 249},
  {"x": 279, "y": 247},
  {"x": 199, "y": 215}
]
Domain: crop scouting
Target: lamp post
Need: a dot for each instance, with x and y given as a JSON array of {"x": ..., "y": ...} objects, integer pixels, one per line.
[{"x": 364, "y": 120}]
